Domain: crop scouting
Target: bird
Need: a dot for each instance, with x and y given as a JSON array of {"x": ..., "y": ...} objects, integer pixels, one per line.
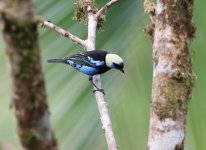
[{"x": 92, "y": 63}]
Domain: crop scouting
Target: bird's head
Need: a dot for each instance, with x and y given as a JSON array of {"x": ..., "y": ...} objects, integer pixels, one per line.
[{"x": 114, "y": 61}]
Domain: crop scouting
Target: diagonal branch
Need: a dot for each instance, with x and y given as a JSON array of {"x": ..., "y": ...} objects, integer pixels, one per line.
[
  {"x": 105, "y": 7},
  {"x": 63, "y": 32}
]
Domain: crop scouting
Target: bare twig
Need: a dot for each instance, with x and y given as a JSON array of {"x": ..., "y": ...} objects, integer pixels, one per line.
[
  {"x": 105, "y": 7},
  {"x": 149, "y": 8},
  {"x": 102, "y": 105},
  {"x": 63, "y": 32}
]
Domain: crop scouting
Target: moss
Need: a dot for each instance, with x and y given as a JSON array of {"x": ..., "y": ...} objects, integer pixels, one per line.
[
  {"x": 25, "y": 40},
  {"x": 177, "y": 75},
  {"x": 174, "y": 89},
  {"x": 101, "y": 22},
  {"x": 180, "y": 146},
  {"x": 149, "y": 29},
  {"x": 173, "y": 98},
  {"x": 179, "y": 16},
  {"x": 81, "y": 9},
  {"x": 187, "y": 78},
  {"x": 30, "y": 138},
  {"x": 81, "y": 12},
  {"x": 171, "y": 109},
  {"x": 149, "y": 7},
  {"x": 24, "y": 36},
  {"x": 28, "y": 63}
]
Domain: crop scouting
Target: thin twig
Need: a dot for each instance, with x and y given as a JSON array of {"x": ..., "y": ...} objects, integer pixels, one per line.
[
  {"x": 149, "y": 8},
  {"x": 63, "y": 32},
  {"x": 105, "y": 7}
]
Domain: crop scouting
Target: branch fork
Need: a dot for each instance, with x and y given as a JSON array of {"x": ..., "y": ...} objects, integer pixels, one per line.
[
  {"x": 105, "y": 8},
  {"x": 89, "y": 44}
]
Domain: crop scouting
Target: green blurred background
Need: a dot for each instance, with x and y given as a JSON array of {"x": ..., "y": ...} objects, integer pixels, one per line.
[{"x": 74, "y": 113}]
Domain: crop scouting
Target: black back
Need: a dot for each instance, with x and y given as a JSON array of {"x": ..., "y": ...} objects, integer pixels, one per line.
[{"x": 96, "y": 55}]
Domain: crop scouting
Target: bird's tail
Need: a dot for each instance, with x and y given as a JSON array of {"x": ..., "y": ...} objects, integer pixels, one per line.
[{"x": 56, "y": 60}]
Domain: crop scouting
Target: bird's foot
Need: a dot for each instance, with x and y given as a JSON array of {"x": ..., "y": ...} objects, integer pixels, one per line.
[
  {"x": 90, "y": 78},
  {"x": 97, "y": 89},
  {"x": 100, "y": 90}
]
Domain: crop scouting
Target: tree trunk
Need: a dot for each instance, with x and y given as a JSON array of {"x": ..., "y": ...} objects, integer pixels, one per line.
[
  {"x": 173, "y": 77},
  {"x": 29, "y": 94}
]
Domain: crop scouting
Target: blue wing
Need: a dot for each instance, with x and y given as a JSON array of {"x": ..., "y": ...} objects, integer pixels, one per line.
[
  {"x": 85, "y": 64},
  {"x": 85, "y": 60}
]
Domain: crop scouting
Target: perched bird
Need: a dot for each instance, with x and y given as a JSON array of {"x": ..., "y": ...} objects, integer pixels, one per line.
[{"x": 93, "y": 62}]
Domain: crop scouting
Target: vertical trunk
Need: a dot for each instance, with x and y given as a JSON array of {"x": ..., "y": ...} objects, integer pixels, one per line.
[
  {"x": 173, "y": 76},
  {"x": 29, "y": 93}
]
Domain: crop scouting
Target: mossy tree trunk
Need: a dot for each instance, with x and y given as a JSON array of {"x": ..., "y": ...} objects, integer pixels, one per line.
[
  {"x": 173, "y": 77},
  {"x": 29, "y": 94}
]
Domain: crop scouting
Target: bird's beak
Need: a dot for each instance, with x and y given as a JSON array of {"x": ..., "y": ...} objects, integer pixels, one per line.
[{"x": 122, "y": 70}]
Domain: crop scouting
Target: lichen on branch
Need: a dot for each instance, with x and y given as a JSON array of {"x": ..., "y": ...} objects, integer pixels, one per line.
[{"x": 81, "y": 12}]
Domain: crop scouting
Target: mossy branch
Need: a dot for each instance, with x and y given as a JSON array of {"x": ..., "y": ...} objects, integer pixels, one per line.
[{"x": 81, "y": 13}]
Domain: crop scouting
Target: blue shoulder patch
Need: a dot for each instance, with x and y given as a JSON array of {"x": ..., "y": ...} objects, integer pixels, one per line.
[{"x": 97, "y": 63}]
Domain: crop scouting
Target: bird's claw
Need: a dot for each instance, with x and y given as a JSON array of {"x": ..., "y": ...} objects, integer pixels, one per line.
[
  {"x": 90, "y": 79},
  {"x": 96, "y": 88},
  {"x": 100, "y": 90}
]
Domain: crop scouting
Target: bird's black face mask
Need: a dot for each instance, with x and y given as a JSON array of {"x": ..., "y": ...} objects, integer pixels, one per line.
[{"x": 119, "y": 67}]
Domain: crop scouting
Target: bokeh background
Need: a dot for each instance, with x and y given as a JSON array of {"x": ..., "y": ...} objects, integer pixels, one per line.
[{"x": 74, "y": 113}]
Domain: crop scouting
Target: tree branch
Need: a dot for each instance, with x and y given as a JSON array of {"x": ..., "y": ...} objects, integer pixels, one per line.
[
  {"x": 105, "y": 7},
  {"x": 102, "y": 105},
  {"x": 63, "y": 32}
]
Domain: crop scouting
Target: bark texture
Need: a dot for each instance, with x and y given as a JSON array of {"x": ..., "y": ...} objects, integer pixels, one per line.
[
  {"x": 29, "y": 94},
  {"x": 173, "y": 77}
]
